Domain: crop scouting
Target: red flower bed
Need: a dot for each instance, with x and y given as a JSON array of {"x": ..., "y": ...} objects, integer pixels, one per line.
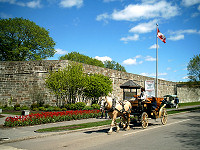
[{"x": 50, "y": 117}]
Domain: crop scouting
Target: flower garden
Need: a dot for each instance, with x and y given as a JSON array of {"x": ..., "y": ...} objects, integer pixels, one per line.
[{"x": 50, "y": 117}]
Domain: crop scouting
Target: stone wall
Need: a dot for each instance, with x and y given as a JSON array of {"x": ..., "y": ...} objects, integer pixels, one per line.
[
  {"x": 24, "y": 81},
  {"x": 188, "y": 94}
]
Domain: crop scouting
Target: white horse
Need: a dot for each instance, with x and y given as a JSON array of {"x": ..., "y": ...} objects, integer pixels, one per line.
[{"x": 116, "y": 109}]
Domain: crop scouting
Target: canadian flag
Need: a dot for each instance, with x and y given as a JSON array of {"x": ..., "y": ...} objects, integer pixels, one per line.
[{"x": 161, "y": 36}]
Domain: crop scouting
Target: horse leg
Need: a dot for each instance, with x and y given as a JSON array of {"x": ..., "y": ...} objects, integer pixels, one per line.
[
  {"x": 128, "y": 121},
  {"x": 114, "y": 116},
  {"x": 112, "y": 123},
  {"x": 117, "y": 126}
]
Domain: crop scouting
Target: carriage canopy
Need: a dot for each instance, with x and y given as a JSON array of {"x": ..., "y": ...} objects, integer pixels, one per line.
[{"x": 129, "y": 85}]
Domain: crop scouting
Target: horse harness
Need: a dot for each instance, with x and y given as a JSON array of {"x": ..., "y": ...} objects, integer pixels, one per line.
[{"x": 114, "y": 107}]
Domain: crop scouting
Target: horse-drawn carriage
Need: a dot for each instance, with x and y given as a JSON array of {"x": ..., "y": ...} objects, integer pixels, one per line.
[
  {"x": 142, "y": 109},
  {"x": 152, "y": 108}
]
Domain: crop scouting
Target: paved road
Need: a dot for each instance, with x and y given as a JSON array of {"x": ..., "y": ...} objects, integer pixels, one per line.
[{"x": 181, "y": 132}]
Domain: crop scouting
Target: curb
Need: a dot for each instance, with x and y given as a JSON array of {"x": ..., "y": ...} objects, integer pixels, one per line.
[{"x": 52, "y": 134}]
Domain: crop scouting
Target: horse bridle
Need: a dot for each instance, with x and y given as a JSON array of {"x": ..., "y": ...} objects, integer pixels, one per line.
[{"x": 102, "y": 107}]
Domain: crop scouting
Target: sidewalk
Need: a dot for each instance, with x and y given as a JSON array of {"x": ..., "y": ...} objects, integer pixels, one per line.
[{"x": 8, "y": 135}]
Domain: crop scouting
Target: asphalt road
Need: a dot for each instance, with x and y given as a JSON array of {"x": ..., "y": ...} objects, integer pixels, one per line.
[{"x": 182, "y": 132}]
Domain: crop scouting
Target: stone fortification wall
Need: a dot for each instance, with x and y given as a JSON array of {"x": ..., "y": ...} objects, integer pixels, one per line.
[
  {"x": 188, "y": 94},
  {"x": 24, "y": 81}
]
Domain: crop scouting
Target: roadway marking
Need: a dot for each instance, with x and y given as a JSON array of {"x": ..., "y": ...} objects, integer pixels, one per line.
[{"x": 156, "y": 127}]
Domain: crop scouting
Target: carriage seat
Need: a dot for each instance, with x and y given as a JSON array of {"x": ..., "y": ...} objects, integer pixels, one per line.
[{"x": 157, "y": 100}]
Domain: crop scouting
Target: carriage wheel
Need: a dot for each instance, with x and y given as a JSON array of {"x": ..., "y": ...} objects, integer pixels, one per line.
[
  {"x": 144, "y": 120},
  {"x": 164, "y": 116}
]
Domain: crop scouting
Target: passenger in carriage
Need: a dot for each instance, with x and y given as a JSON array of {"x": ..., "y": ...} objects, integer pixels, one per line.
[
  {"x": 154, "y": 103},
  {"x": 154, "y": 106}
]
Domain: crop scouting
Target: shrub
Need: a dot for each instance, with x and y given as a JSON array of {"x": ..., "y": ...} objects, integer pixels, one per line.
[
  {"x": 16, "y": 106},
  {"x": 95, "y": 106},
  {"x": 34, "y": 105},
  {"x": 66, "y": 106},
  {"x": 72, "y": 106},
  {"x": 57, "y": 109},
  {"x": 42, "y": 109},
  {"x": 80, "y": 105},
  {"x": 64, "y": 109},
  {"x": 35, "y": 109},
  {"x": 25, "y": 108},
  {"x": 50, "y": 108},
  {"x": 46, "y": 106},
  {"x": 87, "y": 108},
  {"x": 8, "y": 108}
]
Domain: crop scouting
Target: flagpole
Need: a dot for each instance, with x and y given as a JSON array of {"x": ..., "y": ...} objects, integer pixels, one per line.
[{"x": 157, "y": 60}]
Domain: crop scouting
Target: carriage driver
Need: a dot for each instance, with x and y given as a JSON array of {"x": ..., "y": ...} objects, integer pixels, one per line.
[{"x": 143, "y": 95}]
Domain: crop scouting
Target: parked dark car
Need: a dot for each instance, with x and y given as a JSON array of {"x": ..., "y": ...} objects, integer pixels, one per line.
[{"x": 170, "y": 101}]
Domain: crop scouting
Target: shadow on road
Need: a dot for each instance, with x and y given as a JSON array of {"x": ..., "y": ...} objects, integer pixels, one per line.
[
  {"x": 133, "y": 126},
  {"x": 191, "y": 137}
]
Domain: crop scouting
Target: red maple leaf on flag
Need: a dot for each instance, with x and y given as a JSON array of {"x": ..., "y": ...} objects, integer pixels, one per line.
[{"x": 161, "y": 36}]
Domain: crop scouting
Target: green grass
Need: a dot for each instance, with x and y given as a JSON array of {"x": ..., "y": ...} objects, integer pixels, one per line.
[
  {"x": 183, "y": 110},
  {"x": 189, "y": 104},
  {"x": 76, "y": 126}
]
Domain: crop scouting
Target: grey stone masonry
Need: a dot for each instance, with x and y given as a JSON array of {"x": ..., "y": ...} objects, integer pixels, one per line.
[{"x": 24, "y": 81}]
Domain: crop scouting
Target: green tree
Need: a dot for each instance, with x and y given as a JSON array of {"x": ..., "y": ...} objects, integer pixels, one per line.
[
  {"x": 194, "y": 68},
  {"x": 75, "y": 56},
  {"x": 72, "y": 82},
  {"x": 114, "y": 65},
  {"x": 22, "y": 39},
  {"x": 75, "y": 81},
  {"x": 67, "y": 83},
  {"x": 98, "y": 85}
]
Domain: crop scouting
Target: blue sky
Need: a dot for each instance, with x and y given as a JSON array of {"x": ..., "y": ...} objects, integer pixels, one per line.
[{"x": 119, "y": 30}]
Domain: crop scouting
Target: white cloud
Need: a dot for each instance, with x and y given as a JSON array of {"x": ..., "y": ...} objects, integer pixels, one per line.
[
  {"x": 130, "y": 61},
  {"x": 162, "y": 74},
  {"x": 34, "y": 4},
  {"x": 149, "y": 58},
  {"x": 133, "y": 61},
  {"x": 60, "y": 51},
  {"x": 168, "y": 68},
  {"x": 30, "y": 4},
  {"x": 138, "y": 56},
  {"x": 153, "y": 74},
  {"x": 135, "y": 37},
  {"x": 188, "y": 3},
  {"x": 186, "y": 77},
  {"x": 71, "y": 3},
  {"x": 136, "y": 12},
  {"x": 153, "y": 46},
  {"x": 176, "y": 37},
  {"x": 180, "y": 34},
  {"x": 103, "y": 59},
  {"x": 147, "y": 74},
  {"x": 198, "y": 8},
  {"x": 187, "y": 31},
  {"x": 103, "y": 17},
  {"x": 144, "y": 27}
]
